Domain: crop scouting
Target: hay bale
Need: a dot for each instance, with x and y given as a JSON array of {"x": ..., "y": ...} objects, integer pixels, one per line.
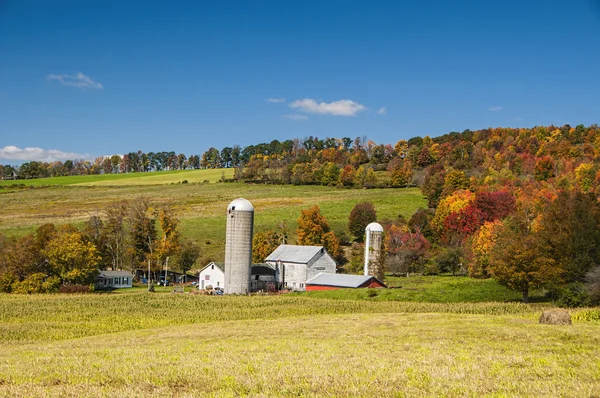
[{"x": 556, "y": 316}]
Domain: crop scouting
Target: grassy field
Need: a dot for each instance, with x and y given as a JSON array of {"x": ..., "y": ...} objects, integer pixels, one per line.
[
  {"x": 144, "y": 344},
  {"x": 432, "y": 289},
  {"x": 200, "y": 206},
  {"x": 153, "y": 178}
]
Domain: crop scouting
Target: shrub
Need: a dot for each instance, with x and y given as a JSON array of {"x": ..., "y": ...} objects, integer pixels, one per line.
[
  {"x": 74, "y": 289},
  {"x": 6, "y": 282},
  {"x": 593, "y": 285},
  {"x": 32, "y": 284},
  {"x": 51, "y": 284},
  {"x": 571, "y": 295}
]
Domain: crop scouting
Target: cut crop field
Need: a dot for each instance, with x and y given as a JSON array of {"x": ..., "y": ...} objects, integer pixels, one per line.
[
  {"x": 145, "y": 344},
  {"x": 153, "y": 178},
  {"x": 200, "y": 206}
]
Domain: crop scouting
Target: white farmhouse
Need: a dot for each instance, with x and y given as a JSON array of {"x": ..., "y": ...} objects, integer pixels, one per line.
[
  {"x": 262, "y": 276},
  {"x": 113, "y": 280},
  {"x": 296, "y": 264},
  {"x": 213, "y": 275}
]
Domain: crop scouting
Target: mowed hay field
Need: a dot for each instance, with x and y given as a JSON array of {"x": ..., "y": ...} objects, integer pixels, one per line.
[
  {"x": 201, "y": 207},
  {"x": 153, "y": 178},
  {"x": 145, "y": 344}
]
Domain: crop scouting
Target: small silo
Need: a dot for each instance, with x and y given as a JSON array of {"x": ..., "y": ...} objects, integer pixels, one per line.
[
  {"x": 238, "y": 246},
  {"x": 373, "y": 245}
]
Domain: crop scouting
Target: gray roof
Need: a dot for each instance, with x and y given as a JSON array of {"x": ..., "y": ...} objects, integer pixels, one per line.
[
  {"x": 294, "y": 253},
  {"x": 340, "y": 280},
  {"x": 257, "y": 269},
  {"x": 118, "y": 274}
]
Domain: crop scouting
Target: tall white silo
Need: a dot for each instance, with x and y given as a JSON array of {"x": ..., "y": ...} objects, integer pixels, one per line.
[
  {"x": 373, "y": 245},
  {"x": 238, "y": 246}
]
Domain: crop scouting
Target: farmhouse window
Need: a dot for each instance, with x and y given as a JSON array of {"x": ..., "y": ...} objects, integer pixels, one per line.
[{"x": 206, "y": 277}]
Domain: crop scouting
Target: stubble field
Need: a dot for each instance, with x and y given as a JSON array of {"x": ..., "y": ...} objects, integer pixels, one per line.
[{"x": 143, "y": 344}]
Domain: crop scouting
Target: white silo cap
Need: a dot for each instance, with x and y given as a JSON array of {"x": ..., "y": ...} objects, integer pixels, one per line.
[
  {"x": 374, "y": 227},
  {"x": 240, "y": 204}
]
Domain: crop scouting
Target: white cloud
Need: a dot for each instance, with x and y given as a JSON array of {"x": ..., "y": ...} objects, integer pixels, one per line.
[
  {"x": 11, "y": 152},
  {"x": 336, "y": 108},
  {"x": 382, "y": 110},
  {"x": 79, "y": 80},
  {"x": 276, "y": 100},
  {"x": 495, "y": 109},
  {"x": 295, "y": 117}
]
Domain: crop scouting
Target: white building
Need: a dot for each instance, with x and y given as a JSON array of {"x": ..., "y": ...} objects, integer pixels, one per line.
[
  {"x": 212, "y": 275},
  {"x": 296, "y": 264},
  {"x": 262, "y": 276},
  {"x": 113, "y": 280}
]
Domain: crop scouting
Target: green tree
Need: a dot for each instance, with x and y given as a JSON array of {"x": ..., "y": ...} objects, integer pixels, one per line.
[
  {"x": 142, "y": 235},
  {"x": 518, "y": 259},
  {"x": 361, "y": 215},
  {"x": 187, "y": 255},
  {"x": 365, "y": 177},
  {"x": 571, "y": 227}
]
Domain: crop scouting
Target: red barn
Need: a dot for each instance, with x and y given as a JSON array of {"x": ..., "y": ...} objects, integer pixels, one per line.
[{"x": 325, "y": 281}]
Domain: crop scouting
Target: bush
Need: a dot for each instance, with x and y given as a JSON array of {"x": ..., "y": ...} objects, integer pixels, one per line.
[
  {"x": 449, "y": 260},
  {"x": 51, "y": 284},
  {"x": 593, "y": 285},
  {"x": 74, "y": 289},
  {"x": 34, "y": 283},
  {"x": 571, "y": 295},
  {"x": 6, "y": 282}
]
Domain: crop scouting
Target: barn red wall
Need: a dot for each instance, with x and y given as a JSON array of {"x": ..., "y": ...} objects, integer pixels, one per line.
[
  {"x": 373, "y": 284},
  {"x": 310, "y": 287}
]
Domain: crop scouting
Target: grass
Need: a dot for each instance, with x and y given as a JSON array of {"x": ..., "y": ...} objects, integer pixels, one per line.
[
  {"x": 153, "y": 178},
  {"x": 201, "y": 207},
  {"x": 144, "y": 344},
  {"x": 432, "y": 289}
]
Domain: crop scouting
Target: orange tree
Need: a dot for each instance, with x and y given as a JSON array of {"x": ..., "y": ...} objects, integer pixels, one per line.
[{"x": 313, "y": 229}]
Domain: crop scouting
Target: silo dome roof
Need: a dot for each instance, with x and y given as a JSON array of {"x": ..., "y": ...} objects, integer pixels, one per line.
[
  {"x": 240, "y": 204},
  {"x": 374, "y": 227}
]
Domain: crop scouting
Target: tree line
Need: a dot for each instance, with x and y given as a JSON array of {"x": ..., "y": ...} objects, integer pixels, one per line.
[{"x": 125, "y": 236}]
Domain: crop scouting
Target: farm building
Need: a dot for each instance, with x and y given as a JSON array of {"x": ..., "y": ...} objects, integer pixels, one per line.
[
  {"x": 211, "y": 275},
  {"x": 296, "y": 264},
  {"x": 262, "y": 276},
  {"x": 325, "y": 281},
  {"x": 113, "y": 280}
]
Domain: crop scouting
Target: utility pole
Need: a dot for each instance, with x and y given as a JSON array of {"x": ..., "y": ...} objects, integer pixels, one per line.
[
  {"x": 148, "y": 274},
  {"x": 166, "y": 270}
]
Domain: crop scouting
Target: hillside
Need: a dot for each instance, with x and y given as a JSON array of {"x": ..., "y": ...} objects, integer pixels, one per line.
[{"x": 200, "y": 206}]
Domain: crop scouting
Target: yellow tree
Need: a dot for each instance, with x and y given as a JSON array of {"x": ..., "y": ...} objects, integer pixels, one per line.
[
  {"x": 70, "y": 257},
  {"x": 169, "y": 245},
  {"x": 480, "y": 247}
]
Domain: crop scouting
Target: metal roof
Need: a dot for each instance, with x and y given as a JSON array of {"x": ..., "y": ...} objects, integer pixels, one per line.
[
  {"x": 340, "y": 280},
  {"x": 294, "y": 253},
  {"x": 240, "y": 204},
  {"x": 260, "y": 268},
  {"x": 112, "y": 274}
]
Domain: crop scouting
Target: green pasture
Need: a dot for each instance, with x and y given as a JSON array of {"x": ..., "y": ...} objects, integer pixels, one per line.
[
  {"x": 201, "y": 207},
  {"x": 151, "y": 178},
  {"x": 431, "y": 289},
  {"x": 143, "y": 344}
]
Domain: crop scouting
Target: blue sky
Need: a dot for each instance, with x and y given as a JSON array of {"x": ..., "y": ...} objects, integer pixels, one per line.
[{"x": 92, "y": 78}]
